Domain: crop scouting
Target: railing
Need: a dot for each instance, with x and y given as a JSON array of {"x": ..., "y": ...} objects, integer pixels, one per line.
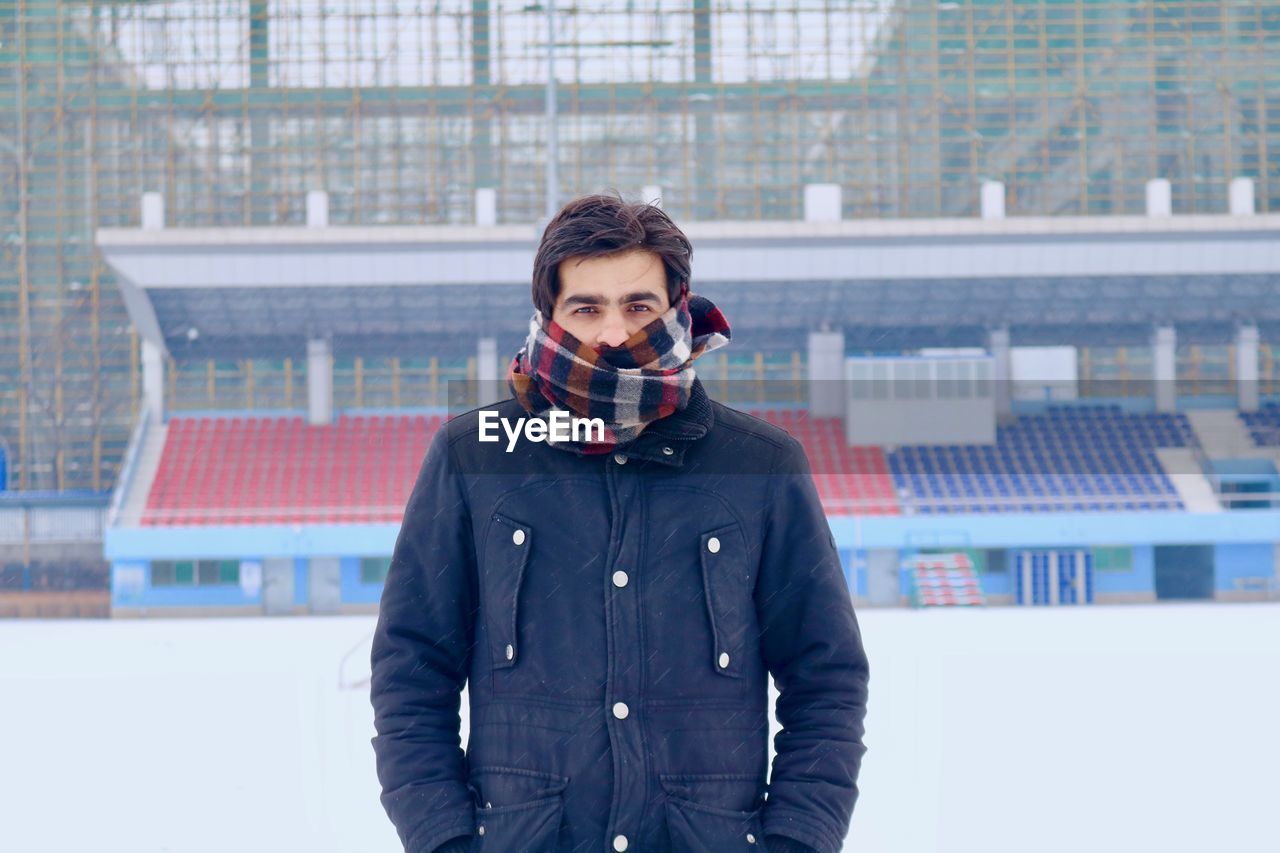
[
  {"x": 906, "y": 503},
  {"x": 127, "y": 466},
  {"x": 755, "y": 380},
  {"x": 1272, "y": 499},
  {"x": 854, "y": 506},
  {"x": 48, "y": 518},
  {"x": 1205, "y": 466},
  {"x": 263, "y": 384},
  {"x": 195, "y": 515}
]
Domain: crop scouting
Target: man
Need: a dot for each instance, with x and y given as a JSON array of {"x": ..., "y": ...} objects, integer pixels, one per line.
[{"x": 616, "y": 601}]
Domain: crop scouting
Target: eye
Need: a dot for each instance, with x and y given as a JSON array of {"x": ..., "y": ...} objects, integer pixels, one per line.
[
  {"x": 641, "y": 306},
  {"x": 585, "y": 308}
]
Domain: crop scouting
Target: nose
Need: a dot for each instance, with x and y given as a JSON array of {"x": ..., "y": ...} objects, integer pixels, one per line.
[{"x": 612, "y": 332}]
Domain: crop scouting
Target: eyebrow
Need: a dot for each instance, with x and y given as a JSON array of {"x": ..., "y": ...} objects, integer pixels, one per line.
[{"x": 591, "y": 299}]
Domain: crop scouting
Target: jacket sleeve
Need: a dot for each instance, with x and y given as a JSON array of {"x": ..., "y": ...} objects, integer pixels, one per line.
[
  {"x": 813, "y": 648},
  {"x": 420, "y": 659}
]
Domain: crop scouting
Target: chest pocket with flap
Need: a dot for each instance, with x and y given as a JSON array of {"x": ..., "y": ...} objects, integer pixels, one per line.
[
  {"x": 726, "y": 579},
  {"x": 508, "y": 544}
]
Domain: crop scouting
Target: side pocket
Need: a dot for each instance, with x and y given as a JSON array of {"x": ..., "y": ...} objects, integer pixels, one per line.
[
  {"x": 726, "y": 579},
  {"x": 518, "y": 809},
  {"x": 508, "y": 544},
  {"x": 697, "y": 821}
]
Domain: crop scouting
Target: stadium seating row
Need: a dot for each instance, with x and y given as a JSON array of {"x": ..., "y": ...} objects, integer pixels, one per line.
[
  {"x": 1264, "y": 424},
  {"x": 360, "y": 469}
]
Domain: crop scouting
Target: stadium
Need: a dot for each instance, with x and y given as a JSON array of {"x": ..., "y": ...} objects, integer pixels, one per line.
[{"x": 1009, "y": 271}]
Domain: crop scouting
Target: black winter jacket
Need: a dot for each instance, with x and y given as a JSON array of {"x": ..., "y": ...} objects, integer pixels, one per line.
[{"x": 616, "y": 618}]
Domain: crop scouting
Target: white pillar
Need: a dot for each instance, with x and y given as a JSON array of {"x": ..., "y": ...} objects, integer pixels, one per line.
[
  {"x": 1164, "y": 367},
  {"x": 487, "y": 370},
  {"x": 652, "y": 194},
  {"x": 319, "y": 381},
  {"x": 821, "y": 202},
  {"x": 992, "y": 200},
  {"x": 1001, "y": 370},
  {"x": 1247, "y": 368},
  {"x": 486, "y": 206},
  {"x": 1240, "y": 193},
  {"x": 1159, "y": 197},
  {"x": 153, "y": 380},
  {"x": 152, "y": 211},
  {"x": 826, "y": 374},
  {"x": 317, "y": 209}
]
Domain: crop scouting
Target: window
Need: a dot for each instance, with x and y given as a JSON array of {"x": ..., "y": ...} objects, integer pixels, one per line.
[
  {"x": 195, "y": 572},
  {"x": 962, "y": 390},
  {"x": 880, "y": 381},
  {"x": 946, "y": 380},
  {"x": 982, "y": 379},
  {"x": 214, "y": 572},
  {"x": 162, "y": 573},
  {"x": 374, "y": 569},
  {"x": 860, "y": 380},
  {"x": 903, "y": 380},
  {"x": 1113, "y": 558},
  {"x": 923, "y": 380}
]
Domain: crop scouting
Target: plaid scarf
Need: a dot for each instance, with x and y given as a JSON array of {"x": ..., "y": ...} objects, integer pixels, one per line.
[{"x": 648, "y": 377}]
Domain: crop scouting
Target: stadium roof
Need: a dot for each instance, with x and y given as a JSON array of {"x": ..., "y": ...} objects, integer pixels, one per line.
[{"x": 261, "y": 292}]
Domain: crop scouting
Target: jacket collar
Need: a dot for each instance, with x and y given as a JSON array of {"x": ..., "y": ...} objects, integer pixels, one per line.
[{"x": 666, "y": 439}]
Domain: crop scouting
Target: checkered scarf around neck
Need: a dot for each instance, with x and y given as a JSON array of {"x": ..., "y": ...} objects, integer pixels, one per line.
[{"x": 647, "y": 377}]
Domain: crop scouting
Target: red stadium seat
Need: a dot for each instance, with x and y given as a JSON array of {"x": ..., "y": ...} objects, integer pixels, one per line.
[
  {"x": 850, "y": 480},
  {"x": 280, "y": 470}
]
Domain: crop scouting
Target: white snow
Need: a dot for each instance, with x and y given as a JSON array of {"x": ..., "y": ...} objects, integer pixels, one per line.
[{"x": 1094, "y": 729}]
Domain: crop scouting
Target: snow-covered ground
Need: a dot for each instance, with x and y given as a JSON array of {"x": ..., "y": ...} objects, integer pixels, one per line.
[{"x": 1094, "y": 729}]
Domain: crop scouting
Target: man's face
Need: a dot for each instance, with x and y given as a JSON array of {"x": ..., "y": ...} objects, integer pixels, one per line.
[{"x": 605, "y": 300}]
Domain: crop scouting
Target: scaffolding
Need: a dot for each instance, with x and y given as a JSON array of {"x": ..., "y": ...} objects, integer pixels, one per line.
[{"x": 234, "y": 109}]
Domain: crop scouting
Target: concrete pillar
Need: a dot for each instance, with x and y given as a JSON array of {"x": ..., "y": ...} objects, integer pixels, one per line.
[
  {"x": 826, "y": 374},
  {"x": 651, "y": 193},
  {"x": 992, "y": 200},
  {"x": 319, "y": 381},
  {"x": 486, "y": 206},
  {"x": 317, "y": 209},
  {"x": 1164, "y": 341},
  {"x": 1159, "y": 197},
  {"x": 1001, "y": 371},
  {"x": 1247, "y": 368},
  {"x": 152, "y": 211},
  {"x": 487, "y": 370},
  {"x": 153, "y": 380},
  {"x": 822, "y": 203},
  {"x": 1240, "y": 195}
]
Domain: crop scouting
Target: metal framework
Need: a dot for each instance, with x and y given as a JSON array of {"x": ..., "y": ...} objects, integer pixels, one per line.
[{"x": 233, "y": 109}]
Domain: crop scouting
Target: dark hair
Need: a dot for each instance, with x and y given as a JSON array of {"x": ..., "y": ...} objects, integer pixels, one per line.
[{"x": 595, "y": 225}]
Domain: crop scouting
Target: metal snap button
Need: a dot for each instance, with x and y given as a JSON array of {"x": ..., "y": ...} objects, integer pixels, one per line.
[
  {"x": 511, "y": 652},
  {"x": 713, "y": 545},
  {"x": 620, "y": 843},
  {"x": 619, "y": 578},
  {"x": 724, "y": 659},
  {"x": 667, "y": 451},
  {"x": 620, "y": 459},
  {"x": 620, "y": 710},
  {"x": 481, "y": 829},
  {"x": 518, "y": 537},
  {"x": 751, "y": 839}
]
